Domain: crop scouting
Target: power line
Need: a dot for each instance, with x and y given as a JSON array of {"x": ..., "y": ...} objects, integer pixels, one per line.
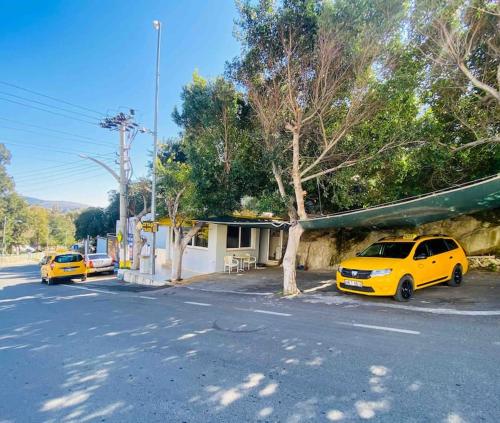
[
  {"x": 54, "y": 136},
  {"x": 49, "y": 129},
  {"x": 34, "y": 190},
  {"x": 47, "y": 105},
  {"x": 54, "y": 170},
  {"x": 45, "y": 168},
  {"x": 43, "y": 172},
  {"x": 61, "y": 180},
  {"x": 52, "y": 151},
  {"x": 47, "y": 111},
  {"x": 51, "y": 98}
]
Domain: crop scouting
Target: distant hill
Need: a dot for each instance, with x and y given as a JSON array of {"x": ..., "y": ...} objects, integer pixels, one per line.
[{"x": 63, "y": 206}]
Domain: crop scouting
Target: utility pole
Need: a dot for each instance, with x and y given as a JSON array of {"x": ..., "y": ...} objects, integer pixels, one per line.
[
  {"x": 123, "y": 201},
  {"x": 127, "y": 128},
  {"x": 3, "y": 239},
  {"x": 157, "y": 27}
]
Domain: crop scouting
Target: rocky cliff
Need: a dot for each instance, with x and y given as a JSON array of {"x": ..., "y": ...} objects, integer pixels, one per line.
[{"x": 479, "y": 235}]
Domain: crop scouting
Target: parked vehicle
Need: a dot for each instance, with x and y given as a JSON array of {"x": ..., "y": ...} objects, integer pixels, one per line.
[
  {"x": 100, "y": 263},
  {"x": 59, "y": 266},
  {"x": 398, "y": 266}
]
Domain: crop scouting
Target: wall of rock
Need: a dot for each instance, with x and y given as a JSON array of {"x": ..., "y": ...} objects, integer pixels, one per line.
[{"x": 479, "y": 234}]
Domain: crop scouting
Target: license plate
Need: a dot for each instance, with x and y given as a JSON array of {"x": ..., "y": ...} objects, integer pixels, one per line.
[
  {"x": 69, "y": 269},
  {"x": 353, "y": 283}
]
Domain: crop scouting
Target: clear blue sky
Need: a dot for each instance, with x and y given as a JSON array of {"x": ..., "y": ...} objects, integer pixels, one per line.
[{"x": 99, "y": 55}]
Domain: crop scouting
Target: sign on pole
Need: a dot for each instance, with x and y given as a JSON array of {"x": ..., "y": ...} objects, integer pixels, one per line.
[{"x": 149, "y": 226}]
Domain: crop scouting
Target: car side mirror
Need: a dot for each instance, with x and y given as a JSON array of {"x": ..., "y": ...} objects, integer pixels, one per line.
[
  {"x": 358, "y": 254},
  {"x": 421, "y": 256}
]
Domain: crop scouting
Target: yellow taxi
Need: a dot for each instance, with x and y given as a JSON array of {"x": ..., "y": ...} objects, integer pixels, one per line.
[
  {"x": 62, "y": 265},
  {"x": 397, "y": 266}
]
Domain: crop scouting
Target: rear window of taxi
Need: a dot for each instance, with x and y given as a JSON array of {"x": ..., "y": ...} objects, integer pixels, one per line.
[{"x": 68, "y": 258}]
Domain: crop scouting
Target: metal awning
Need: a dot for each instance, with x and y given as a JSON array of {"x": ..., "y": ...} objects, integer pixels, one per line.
[
  {"x": 263, "y": 223},
  {"x": 251, "y": 222},
  {"x": 482, "y": 194}
]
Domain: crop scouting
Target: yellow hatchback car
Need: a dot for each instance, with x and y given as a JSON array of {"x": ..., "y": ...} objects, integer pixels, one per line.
[
  {"x": 59, "y": 266},
  {"x": 397, "y": 266}
]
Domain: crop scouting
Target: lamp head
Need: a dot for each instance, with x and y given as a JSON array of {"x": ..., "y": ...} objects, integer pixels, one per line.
[{"x": 156, "y": 24}]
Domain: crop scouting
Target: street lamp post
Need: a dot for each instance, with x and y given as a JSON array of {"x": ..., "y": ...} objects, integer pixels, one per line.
[
  {"x": 157, "y": 27},
  {"x": 3, "y": 239}
]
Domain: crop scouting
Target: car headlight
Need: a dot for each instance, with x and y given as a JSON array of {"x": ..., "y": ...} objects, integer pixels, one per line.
[
  {"x": 381, "y": 272},
  {"x": 340, "y": 269}
]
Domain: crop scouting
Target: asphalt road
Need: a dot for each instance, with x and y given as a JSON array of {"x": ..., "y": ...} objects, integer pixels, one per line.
[{"x": 101, "y": 351}]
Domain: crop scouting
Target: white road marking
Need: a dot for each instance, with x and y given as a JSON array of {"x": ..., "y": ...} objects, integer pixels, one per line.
[
  {"x": 102, "y": 291},
  {"x": 341, "y": 301},
  {"x": 275, "y": 313},
  {"x": 198, "y": 304},
  {"x": 226, "y": 291},
  {"x": 147, "y": 298},
  {"x": 10, "y": 300},
  {"x": 323, "y": 285},
  {"x": 411, "y": 332}
]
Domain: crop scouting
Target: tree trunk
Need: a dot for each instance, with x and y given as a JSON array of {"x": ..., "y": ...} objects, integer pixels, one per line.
[
  {"x": 180, "y": 243},
  {"x": 137, "y": 244},
  {"x": 296, "y": 178},
  {"x": 290, "y": 259},
  {"x": 176, "y": 273},
  {"x": 137, "y": 239}
]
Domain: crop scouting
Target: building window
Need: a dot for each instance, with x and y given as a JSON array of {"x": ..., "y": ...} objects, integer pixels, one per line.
[
  {"x": 199, "y": 240},
  {"x": 245, "y": 237},
  {"x": 238, "y": 237}
]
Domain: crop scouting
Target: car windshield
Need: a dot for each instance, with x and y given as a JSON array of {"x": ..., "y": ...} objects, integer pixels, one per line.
[{"x": 398, "y": 250}]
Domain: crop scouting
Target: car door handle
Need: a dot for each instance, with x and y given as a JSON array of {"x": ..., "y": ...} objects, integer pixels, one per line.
[
  {"x": 434, "y": 261},
  {"x": 451, "y": 257}
]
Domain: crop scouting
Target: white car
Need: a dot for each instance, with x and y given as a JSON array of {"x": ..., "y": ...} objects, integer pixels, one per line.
[{"x": 99, "y": 263}]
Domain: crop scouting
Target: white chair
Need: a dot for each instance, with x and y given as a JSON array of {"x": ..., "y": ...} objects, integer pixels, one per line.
[
  {"x": 230, "y": 263},
  {"x": 249, "y": 260}
]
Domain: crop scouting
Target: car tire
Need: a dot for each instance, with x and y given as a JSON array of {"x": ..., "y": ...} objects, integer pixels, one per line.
[
  {"x": 84, "y": 278},
  {"x": 405, "y": 289},
  {"x": 456, "y": 276},
  {"x": 49, "y": 281}
]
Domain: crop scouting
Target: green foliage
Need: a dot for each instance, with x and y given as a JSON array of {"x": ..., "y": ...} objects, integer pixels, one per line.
[
  {"x": 218, "y": 145},
  {"x": 38, "y": 227},
  {"x": 6, "y": 184},
  {"x": 176, "y": 189},
  {"x": 91, "y": 222},
  {"x": 62, "y": 229},
  {"x": 424, "y": 110}
]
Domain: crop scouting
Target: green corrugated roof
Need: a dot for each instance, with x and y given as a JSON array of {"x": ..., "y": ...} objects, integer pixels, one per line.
[
  {"x": 256, "y": 222},
  {"x": 472, "y": 197}
]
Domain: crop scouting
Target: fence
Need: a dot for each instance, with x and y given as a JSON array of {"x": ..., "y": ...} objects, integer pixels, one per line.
[{"x": 28, "y": 258}]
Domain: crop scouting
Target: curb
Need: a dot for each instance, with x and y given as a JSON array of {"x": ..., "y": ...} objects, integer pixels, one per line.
[
  {"x": 339, "y": 301},
  {"x": 139, "y": 279}
]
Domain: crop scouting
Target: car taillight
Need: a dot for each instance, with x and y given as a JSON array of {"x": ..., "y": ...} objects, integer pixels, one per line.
[
  {"x": 52, "y": 265},
  {"x": 91, "y": 263}
]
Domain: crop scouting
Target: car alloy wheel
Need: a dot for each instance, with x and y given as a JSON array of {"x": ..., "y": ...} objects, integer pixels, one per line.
[
  {"x": 406, "y": 289},
  {"x": 457, "y": 275}
]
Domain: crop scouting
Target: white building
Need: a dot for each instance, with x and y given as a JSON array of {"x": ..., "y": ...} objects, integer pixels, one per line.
[{"x": 264, "y": 239}]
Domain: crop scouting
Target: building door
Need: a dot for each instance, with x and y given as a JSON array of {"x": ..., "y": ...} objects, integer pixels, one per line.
[{"x": 275, "y": 244}]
